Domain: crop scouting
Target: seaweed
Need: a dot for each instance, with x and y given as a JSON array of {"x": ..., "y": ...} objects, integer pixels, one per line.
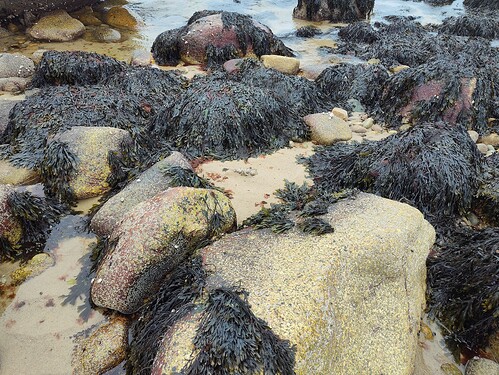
[
  {"x": 176, "y": 298},
  {"x": 57, "y": 168},
  {"x": 308, "y": 31},
  {"x": 316, "y": 226},
  {"x": 336, "y": 10},
  {"x": 434, "y": 167},
  {"x": 346, "y": 81},
  {"x": 486, "y": 203},
  {"x": 227, "y": 120},
  {"x": 482, "y": 4},
  {"x": 471, "y": 25},
  {"x": 186, "y": 177},
  {"x": 360, "y": 32},
  {"x": 74, "y": 68},
  {"x": 293, "y": 195},
  {"x": 463, "y": 286},
  {"x": 216, "y": 56},
  {"x": 8, "y": 251},
  {"x": 232, "y": 340}
]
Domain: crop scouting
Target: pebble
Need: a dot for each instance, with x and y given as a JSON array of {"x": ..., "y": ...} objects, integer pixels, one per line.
[
  {"x": 106, "y": 35},
  {"x": 405, "y": 127},
  {"x": 358, "y": 129},
  {"x": 377, "y": 128},
  {"x": 481, "y": 366},
  {"x": 473, "y": 135},
  {"x": 399, "y": 68},
  {"x": 368, "y": 123},
  {"x": 482, "y": 147},
  {"x": 341, "y": 113},
  {"x": 450, "y": 369},
  {"x": 392, "y": 132},
  {"x": 426, "y": 331},
  {"x": 491, "y": 139},
  {"x": 246, "y": 171}
]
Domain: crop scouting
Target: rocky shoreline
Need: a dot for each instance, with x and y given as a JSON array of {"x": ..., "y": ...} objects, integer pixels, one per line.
[{"x": 199, "y": 267}]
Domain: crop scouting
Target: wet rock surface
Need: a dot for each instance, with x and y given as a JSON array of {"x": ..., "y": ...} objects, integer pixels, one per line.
[{"x": 58, "y": 26}]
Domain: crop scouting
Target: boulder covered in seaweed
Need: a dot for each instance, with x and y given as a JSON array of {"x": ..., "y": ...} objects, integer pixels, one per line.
[
  {"x": 227, "y": 119},
  {"x": 335, "y": 11},
  {"x": 153, "y": 239},
  {"x": 482, "y": 4},
  {"x": 74, "y": 68},
  {"x": 337, "y": 303},
  {"x": 473, "y": 24},
  {"x": 486, "y": 202},
  {"x": 213, "y": 37},
  {"x": 76, "y": 162},
  {"x": 146, "y": 185},
  {"x": 463, "y": 286},
  {"x": 434, "y": 167}
]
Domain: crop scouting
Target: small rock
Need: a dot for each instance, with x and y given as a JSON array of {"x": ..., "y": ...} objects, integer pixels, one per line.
[
  {"x": 481, "y": 366},
  {"x": 398, "y": 68},
  {"x": 103, "y": 350},
  {"x": 86, "y": 16},
  {"x": 341, "y": 113},
  {"x": 373, "y": 61},
  {"x": 140, "y": 57},
  {"x": 377, "y": 128},
  {"x": 392, "y": 132},
  {"x": 34, "y": 267},
  {"x": 404, "y": 127},
  {"x": 358, "y": 129},
  {"x": 37, "y": 55},
  {"x": 12, "y": 27},
  {"x": 57, "y": 26},
  {"x": 13, "y": 84},
  {"x": 426, "y": 331},
  {"x": 368, "y": 123},
  {"x": 473, "y": 135},
  {"x": 232, "y": 65},
  {"x": 246, "y": 171},
  {"x": 482, "y": 147},
  {"x": 355, "y": 105},
  {"x": 491, "y": 139},
  {"x": 287, "y": 65},
  {"x": 120, "y": 17},
  {"x": 450, "y": 369},
  {"x": 327, "y": 129},
  {"x": 10, "y": 174},
  {"x": 14, "y": 65},
  {"x": 106, "y": 35}
]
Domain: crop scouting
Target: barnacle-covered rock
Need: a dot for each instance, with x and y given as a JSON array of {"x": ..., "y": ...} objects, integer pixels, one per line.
[
  {"x": 335, "y": 11},
  {"x": 74, "y": 68},
  {"x": 145, "y": 186},
  {"x": 13, "y": 65},
  {"x": 435, "y": 167},
  {"x": 285, "y": 304},
  {"x": 152, "y": 239},
  {"x": 76, "y": 161},
  {"x": 103, "y": 350},
  {"x": 214, "y": 37}
]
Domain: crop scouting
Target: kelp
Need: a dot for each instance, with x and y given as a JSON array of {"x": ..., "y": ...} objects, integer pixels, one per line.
[
  {"x": 249, "y": 36},
  {"x": 58, "y": 108},
  {"x": 463, "y": 286},
  {"x": 362, "y": 82},
  {"x": 37, "y": 216},
  {"x": 186, "y": 177},
  {"x": 308, "y": 31},
  {"x": 227, "y": 120},
  {"x": 476, "y": 25},
  {"x": 482, "y": 4},
  {"x": 57, "y": 168},
  {"x": 486, "y": 203},
  {"x": 315, "y": 226},
  {"x": 300, "y": 95},
  {"x": 434, "y": 167},
  {"x": 232, "y": 340},
  {"x": 359, "y": 32},
  {"x": 74, "y": 68},
  {"x": 336, "y": 10}
]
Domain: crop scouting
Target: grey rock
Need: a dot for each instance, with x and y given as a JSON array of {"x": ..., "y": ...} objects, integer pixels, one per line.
[
  {"x": 57, "y": 26},
  {"x": 141, "y": 57},
  {"x": 13, "y": 84},
  {"x": 146, "y": 186},
  {"x": 327, "y": 129},
  {"x": 5, "y": 107},
  {"x": 14, "y": 65},
  {"x": 358, "y": 129},
  {"x": 106, "y": 35},
  {"x": 482, "y": 366},
  {"x": 473, "y": 135}
]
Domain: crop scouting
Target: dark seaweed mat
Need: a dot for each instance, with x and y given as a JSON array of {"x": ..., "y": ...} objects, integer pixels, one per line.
[
  {"x": 232, "y": 340},
  {"x": 165, "y": 48},
  {"x": 487, "y": 201},
  {"x": 463, "y": 286},
  {"x": 363, "y": 82},
  {"x": 308, "y": 32},
  {"x": 341, "y": 10},
  {"x": 478, "y": 62},
  {"x": 482, "y": 4},
  {"x": 36, "y": 216},
  {"x": 474, "y": 24},
  {"x": 359, "y": 32},
  {"x": 300, "y": 95},
  {"x": 434, "y": 167},
  {"x": 58, "y": 108},
  {"x": 227, "y": 120},
  {"x": 74, "y": 68}
]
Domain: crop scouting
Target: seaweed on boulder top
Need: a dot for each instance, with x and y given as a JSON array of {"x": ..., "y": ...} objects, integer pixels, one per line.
[
  {"x": 236, "y": 35},
  {"x": 334, "y": 10},
  {"x": 471, "y": 25},
  {"x": 74, "y": 68},
  {"x": 301, "y": 95},
  {"x": 482, "y": 4},
  {"x": 463, "y": 286},
  {"x": 347, "y": 81},
  {"x": 227, "y": 120},
  {"x": 359, "y": 32},
  {"x": 58, "y": 108},
  {"x": 434, "y": 167},
  {"x": 458, "y": 88},
  {"x": 308, "y": 31},
  {"x": 37, "y": 216},
  {"x": 486, "y": 203}
]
